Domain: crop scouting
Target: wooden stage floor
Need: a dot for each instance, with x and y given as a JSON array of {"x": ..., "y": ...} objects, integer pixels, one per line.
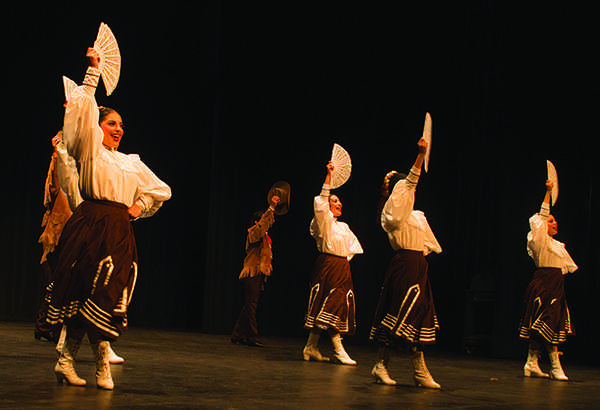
[{"x": 187, "y": 370}]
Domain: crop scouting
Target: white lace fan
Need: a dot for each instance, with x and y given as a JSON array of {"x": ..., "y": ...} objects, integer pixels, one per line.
[
  {"x": 342, "y": 166},
  {"x": 553, "y": 177},
  {"x": 68, "y": 85},
  {"x": 110, "y": 57},
  {"x": 427, "y": 138}
]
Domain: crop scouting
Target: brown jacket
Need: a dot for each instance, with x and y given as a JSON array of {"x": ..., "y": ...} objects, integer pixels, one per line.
[
  {"x": 57, "y": 211},
  {"x": 258, "y": 248}
]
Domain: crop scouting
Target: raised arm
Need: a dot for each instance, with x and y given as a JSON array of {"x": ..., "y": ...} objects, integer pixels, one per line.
[
  {"x": 321, "y": 206},
  {"x": 67, "y": 172},
  {"x": 81, "y": 133},
  {"x": 422, "y": 149},
  {"x": 402, "y": 197},
  {"x": 330, "y": 168},
  {"x": 538, "y": 223},
  {"x": 548, "y": 196}
]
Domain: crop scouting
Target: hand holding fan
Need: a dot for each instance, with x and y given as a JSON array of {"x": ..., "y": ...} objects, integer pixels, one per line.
[
  {"x": 427, "y": 138},
  {"x": 553, "y": 177},
  {"x": 110, "y": 58},
  {"x": 342, "y": 166}
]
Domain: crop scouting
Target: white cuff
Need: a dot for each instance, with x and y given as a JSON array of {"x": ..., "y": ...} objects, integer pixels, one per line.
[
  {"x": 413, "y": 175},
  {"x": 545, "y": 210}
]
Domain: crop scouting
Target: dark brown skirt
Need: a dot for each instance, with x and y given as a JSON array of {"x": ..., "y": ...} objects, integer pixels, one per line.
[
  {"x": 405, "y": 311},
  {"x": 95, "y": 268},
  {"x": 331, "y": 300},
  {"x": 546, "y": 315}
]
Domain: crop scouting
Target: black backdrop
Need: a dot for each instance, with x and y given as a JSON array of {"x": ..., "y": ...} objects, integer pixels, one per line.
[{"x": 222, "y": 100}]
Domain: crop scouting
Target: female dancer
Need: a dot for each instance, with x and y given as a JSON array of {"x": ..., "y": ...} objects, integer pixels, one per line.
[
  {"x": 546, "y": 321},
  {"x": 61, "y": 198},
  {"x": 331, "y": 300},
  {"x": 96, "y": 262},
  {"x": 405, "y": 316}
]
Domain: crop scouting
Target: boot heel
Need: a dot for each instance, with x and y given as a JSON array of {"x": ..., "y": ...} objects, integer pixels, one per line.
[{"x": 381, "y": 375}]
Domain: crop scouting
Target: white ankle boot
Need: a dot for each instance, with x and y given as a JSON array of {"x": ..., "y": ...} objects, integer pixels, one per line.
[
  {"x": 556, "y": 372},
  {"x": 380, "y": 371},
  {"x": 103, "y": 374},
  {"x": 64, "y": 369},
  {"x": 340, "y": 352},
  {"x": 422, "y": 377},
  {"x": 532, "y": 368},
  {"x": 113, "y": 358},
  {"x": 311, "y": 350},
  {"x": 381, "y": 374}
]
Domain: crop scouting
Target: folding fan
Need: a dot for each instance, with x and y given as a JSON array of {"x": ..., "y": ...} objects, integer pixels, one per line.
[
  {"x": 553, "y": 177},
  {"x": 68, "y": 85},
  {"x": 110, "y": 57},
  {"x": 427, "y": 138},
  {"x": 342, "y": 166}
]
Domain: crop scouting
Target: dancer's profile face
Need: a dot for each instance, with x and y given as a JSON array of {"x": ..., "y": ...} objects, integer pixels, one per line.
[
  {"x": 112, "y": 127},
  {"x": 335, "y": 205},
  {"x": 552, "y": 226}
]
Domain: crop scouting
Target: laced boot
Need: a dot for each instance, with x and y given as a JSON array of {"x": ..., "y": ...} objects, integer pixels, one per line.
[
  {"x": 340, "y": 352},
  {"x": 103, "y": 374},
  {"x": 311, "y": 350},
  {"x": 61, "y": 340},
  {"x": 64, "y": 369},
  {"x": 532, "y": 368},
  {"x": 557, "y": 372},
  {"x": 422, "y": 377}
]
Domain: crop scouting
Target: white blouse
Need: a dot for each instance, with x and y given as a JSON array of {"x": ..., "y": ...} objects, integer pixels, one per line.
[
  {"x": 105, "y": 174},
  {"x": 407, "y": 228},
  {"x": 332, "y": 236},
  {"x": 546, "y": 251}
]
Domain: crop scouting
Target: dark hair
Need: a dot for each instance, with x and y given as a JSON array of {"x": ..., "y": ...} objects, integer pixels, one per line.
[
  {"x": 104, "y": 111},
  {"x": 389, "y": 182},
  {"x": 394, "y": 180},
  {"x": 256, "y": 216}
]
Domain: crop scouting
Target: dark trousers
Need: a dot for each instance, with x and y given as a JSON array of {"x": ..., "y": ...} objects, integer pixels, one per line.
[
  {"x": 246, "y": 327},
  {"x": 42, "y": 327}
]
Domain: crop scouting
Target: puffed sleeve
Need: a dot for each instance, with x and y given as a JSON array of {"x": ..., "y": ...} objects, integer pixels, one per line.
[
  {"x": 81, "y": 133},
  {"x": 68, "y": 176},
  {"x": 323, "y": 215},
  {"x": 538, "y": 237},
  {"x": 401, "y": 201},
  {"x": 151, "y": 192},
  {"x": 431, "y": 243}
]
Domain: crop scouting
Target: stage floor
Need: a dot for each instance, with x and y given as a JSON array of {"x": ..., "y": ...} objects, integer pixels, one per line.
[{"x": 168, "y": 369}]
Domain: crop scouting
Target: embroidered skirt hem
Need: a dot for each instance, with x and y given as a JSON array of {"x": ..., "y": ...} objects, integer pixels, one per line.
[
  {"x": 331, "y": 300},
  {"x": 405, "y": 310},
  {"x": 94, "y": 268},
  {"x": 546, "y": 315}
]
